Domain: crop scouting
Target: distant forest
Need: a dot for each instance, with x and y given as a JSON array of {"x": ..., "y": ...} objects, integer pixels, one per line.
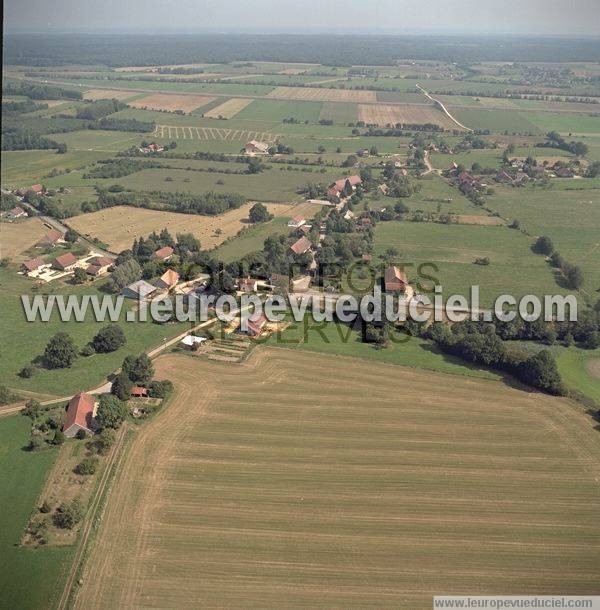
[{"x": 335, "y": 50}]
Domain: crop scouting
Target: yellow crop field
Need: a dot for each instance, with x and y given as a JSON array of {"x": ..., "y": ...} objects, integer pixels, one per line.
[
  {"x": 316, "y": 94},
  {"x": 228, "y": 109}
]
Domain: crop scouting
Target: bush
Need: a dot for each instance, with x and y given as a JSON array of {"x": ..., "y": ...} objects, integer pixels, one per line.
[
  {"x": 27, "y": 371},
  {"x": 87, "y": 466},
  {"x": 102, "y": 442},
  {"x": 68, "y": 515},
  {"x": 543, "y": 245},
  {"x": 81, "y": 434},
  {"x": 160, "y": 389},
  {"x": 45, "y": 507},
  {"x": 6, "y": 396},
  {"x": 59, "y": 438},
  {"x": 87, "y": 350},
  {"x": 32, "y": 409}
]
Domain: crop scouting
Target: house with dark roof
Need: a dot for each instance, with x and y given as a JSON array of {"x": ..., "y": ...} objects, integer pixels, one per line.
[
  {"x": 98, "y": 265},
  {"x": 138, "y": 290},
  {"x": 52, "y": 238},
  {"x": 336, "y": 189},
  {"x": 81, "y": 413}
]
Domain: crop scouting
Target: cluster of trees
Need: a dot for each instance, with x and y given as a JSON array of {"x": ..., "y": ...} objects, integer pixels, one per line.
[
  {"x": 135, "y": 370},
  {"x": 11, "y": 108},
  {"x": 555, "y": 140},
  {"x": 573, "y": 275},
  {"x": 20, "y": 139},
  {"x": 38, "y": 91},
  {"x": 117, "y": 168},
  {"x": 93, "y": 111},
  {"x": 479, "y": 343}
]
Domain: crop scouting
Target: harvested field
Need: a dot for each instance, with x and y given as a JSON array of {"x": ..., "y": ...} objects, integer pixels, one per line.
[
  {"x": 593, "y": 367},
  {"x": 481, "y": 220},
  {"x": 103, "y": 94},
  {"x": 316, "y": 94},
  {"x": 171, "y": 101},
  {"x": 384, "y": 114},
  {"x": 300, "y": 480},
  {"x": 173, "y": 132},
  {"x": 17, "y": 237},
  {"x": 119, "y": 225},
  {"x": 228, "y": 109}
]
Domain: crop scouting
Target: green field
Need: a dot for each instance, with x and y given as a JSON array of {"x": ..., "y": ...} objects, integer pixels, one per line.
[
  {"x": 27, "y": 340},
  {"x": 452, "y": 249},
  {"x": 29, "y": 578},
  {"x": 340, "y": 112},
  {"x": 498, "y": 121},
  {"x": 277, "y": 110}
]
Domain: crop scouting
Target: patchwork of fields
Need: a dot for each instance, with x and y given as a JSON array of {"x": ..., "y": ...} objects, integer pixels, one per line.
[{"x": 278, "y": 483}]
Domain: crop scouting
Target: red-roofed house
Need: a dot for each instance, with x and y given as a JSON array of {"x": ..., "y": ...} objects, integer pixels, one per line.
[
  {"x": 336, "y": 189},
  {"x": 65, "y": 262},
  {"x": 254, "y": 147},
  {"x": 80, "y": 415},
  {"x": 301, "y": 246},
  {"x": 98, "y": 265},
  {"x": 163, "y": 254},
  {"x": 168, "y": 280},
  {"x": 51, "y": 239},
  {"x": 139, "y": 391},
  {"x": 395, "y": 280},
  {"x": 17, "y": 212},
  {"x": 256, "y": 322},
  {"x": 247, "y": 284},
  {"x": 296, "y": 222},
  {"x": 32, "y": 265}
]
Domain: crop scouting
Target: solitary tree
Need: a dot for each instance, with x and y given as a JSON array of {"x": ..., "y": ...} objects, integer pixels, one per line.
[
  {"x": 139, "y": 369},
  {"x": 259, "y": 213},
  {"x": 109, "y": 339},
  {"x": 60, "y": 351}
]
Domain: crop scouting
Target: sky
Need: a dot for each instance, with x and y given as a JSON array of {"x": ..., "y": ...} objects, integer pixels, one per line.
[{"x": 544, "y": 17}]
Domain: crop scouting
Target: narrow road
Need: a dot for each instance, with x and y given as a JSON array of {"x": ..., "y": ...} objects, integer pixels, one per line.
[{"x": 442, "y": 108}]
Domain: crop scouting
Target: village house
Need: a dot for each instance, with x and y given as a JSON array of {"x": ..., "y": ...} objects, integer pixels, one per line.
[
  {"x": 65, "y": 262},
  {"x": 256, "y": 322},
  {"x": 138, "y": 391},
  {"x": 138, "y": 290},
  {"x": 51, "y": 239},
  {"x": 151, "y": 148},
  {"x": 301, "y": 246},
  {"x": 168, "y": 280},
  {"x": 81, "y": 413},
  {"x": 296, "y": 222},
  {"x": 336, "y": 189},
  {"x": 98, "y": 266},
  {"x": 563, "y": 172},
  {"x": 254, "y": 147},
  {"x": 163, "y": 254},
  {"x": 35, "y": 264},
  {"x": 504, "y": 177},
  {"x": 36, "y": 189},
  {"x": 395, "y": 280},
  {"x": 16, "y": 212},
  {"x": 247, "y": 284}
]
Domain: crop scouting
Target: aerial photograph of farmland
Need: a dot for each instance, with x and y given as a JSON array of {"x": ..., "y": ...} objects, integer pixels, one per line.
[{"x": 300, "y": 305}]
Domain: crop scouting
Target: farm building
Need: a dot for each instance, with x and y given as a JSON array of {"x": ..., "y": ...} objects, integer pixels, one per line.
[
  {"x": 151, "y": 148},
  {"x": 52, "y": 238},
  {"x": 301, "y": 246},
  {"x": 254, "y": 147},
  {"x": 192, "y": 342},
  {"x": 81, "y": 412},
  {"x": 98, "y": 265},
  {"x": 138, "y": 290},
  {"x": 163, "y": 254},
  {"x": 168, "y": 280},
  {"x": 247, "y": 284},
  {"x": 395, "y": 280},
  {"x": 139, "y": 392},
  {"x": 65, "y": 262},
  {"x": 296, "y": 222},
  {"x": 337, "y": 188},
  {"x": 255, "y": 323},
  {"x": 35, "y": 264},
  {"x": 37, "y": 189}
]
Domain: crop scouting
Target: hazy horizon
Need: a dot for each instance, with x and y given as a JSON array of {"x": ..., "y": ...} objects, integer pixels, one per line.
[{"x": 528, "y": 17}]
